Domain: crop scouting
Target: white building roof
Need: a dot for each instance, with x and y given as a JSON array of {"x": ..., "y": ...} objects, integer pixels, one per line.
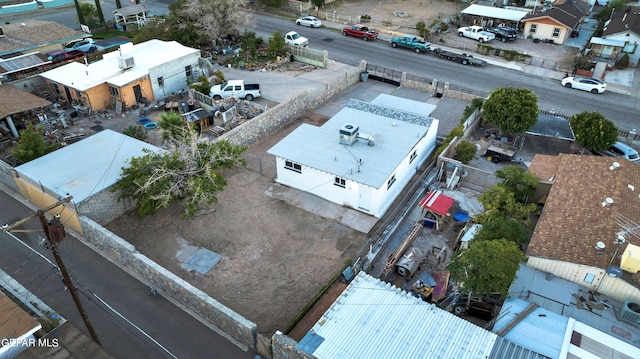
[
  {"x": 146, "y": 55},
  {"x": 374, "y": 319},
  {"x": 395, "y": 133},
  {"x": 404, "y": 104},
  {"x": 85, "y": 167},
  {"x": 607, "y": 42},
  {"x": 495, "y": 12}
]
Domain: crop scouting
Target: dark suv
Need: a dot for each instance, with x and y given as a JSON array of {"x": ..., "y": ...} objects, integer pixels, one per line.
[{"x": 504, "y": 34}]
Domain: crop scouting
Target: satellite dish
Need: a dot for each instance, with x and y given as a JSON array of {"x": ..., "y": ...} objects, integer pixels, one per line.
[{"x": 614, "y": 272}]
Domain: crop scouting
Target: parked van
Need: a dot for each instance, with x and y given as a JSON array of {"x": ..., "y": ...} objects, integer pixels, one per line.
[{"x": 621, "y": 150}]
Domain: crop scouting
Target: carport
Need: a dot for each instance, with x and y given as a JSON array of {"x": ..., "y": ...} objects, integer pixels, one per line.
[
  {"x": 487, "y": 14},
  {"x": 551, "y": 125}
]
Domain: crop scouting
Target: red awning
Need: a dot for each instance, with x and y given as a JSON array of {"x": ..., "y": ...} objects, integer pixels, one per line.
[{"x": 437, "y": 202}]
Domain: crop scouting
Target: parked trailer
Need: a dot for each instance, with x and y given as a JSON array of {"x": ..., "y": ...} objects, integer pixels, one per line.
[{"x": 459, "y": 58}]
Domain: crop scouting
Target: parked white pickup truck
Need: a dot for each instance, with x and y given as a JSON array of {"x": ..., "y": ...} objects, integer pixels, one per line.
[
  {"x": 294, "y": 39},
  {"x": 476, "y": 33},
  {"x": 235, "y": 88}
]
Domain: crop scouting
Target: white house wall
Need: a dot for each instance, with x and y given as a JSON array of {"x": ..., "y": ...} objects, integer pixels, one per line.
[
  {"x": 322, "y": 184},
  {"x": 173, "y": 75},
  {"x": 632, "y": 38},
  {"x": 614, "y": 288}
]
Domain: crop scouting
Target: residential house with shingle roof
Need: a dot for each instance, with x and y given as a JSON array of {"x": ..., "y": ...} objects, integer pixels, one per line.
[
  {"x": 14, "y": 102},
  {"x": 620, "y": 35},
  {"x": 555, "y": 22},
  {"x": 589, "y": 229}
]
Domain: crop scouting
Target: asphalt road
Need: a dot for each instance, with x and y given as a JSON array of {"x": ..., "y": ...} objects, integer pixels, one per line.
[{"x": 176, "y": 333}]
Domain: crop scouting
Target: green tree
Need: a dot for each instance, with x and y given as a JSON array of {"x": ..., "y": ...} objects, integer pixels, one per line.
[
  {"x": 202, "y": 86},
  {"x": 249, "y": 45},
  {"x": 153, "y": 30},
  {"x": 465, "y": 151},
  {"x": 522, "y": 183},
  {"x": 593, "y": 131},
  {"x": 32, "y": 145},
  {"x": 276, "y": 43},
  {"x": 487, "y": 266},
  {"x": 513, "y": 110},
  {"x": 423, "y": 31},
  {"x": 189, "y": 172},
  {"x": 171, "y": 124},
  {"x": 504, "y": 228},
  {"x": 137, "y": 132},
  {"x": 499, "y": 201}
]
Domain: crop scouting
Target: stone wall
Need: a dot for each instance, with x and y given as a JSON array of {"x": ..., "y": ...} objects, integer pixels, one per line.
[{"x": 104, "y": 207}]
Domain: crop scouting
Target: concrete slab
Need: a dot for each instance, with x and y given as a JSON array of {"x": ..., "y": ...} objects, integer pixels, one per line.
[{"x": 194, "y": 258}]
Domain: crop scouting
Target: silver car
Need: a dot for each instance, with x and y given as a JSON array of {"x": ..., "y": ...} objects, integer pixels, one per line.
[
  {"x": 310, "y": 21},
  {"x": 585, "y": 84}
]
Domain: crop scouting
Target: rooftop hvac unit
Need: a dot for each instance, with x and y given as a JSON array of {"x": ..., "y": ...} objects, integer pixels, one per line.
[
  {"x": 630, "y": 312},
  {"x": 348, "y": 134},
  {"x": 126, "y": 62}
]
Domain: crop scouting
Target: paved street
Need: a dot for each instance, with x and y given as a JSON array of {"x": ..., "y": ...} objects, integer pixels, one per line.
[{"x": 176, "y": 333}]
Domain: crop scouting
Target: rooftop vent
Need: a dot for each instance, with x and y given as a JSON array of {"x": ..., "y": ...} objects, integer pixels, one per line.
[
  {"x": 1, "y": 32},
  {"x": 600, "y": 246},
  {"x": 125, "y": 62},
  {"x": 614, "y": 166},
  {"x": 607, "y": 202}
]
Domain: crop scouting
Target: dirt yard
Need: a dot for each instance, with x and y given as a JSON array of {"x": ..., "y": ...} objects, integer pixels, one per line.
[{"x": 275, "y": 257}]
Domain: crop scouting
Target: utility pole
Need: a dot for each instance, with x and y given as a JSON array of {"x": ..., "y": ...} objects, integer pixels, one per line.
[{"x": 55, "y": 233}]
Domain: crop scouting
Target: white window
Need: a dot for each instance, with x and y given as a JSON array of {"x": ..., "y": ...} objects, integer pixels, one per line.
[
  {"x": 630, "y": 48},
  {"x": 589, "y": 278},
  {"x": 391, "y": 181},
  {"x": 295, "y": 167},
  {"x": 556, "y": 32},
  {"x": 533, "y": 28},
  {"x": 187, "y": 70},
  {"x": 340, "y": 182},
  {"x": 413, "y": 156}
]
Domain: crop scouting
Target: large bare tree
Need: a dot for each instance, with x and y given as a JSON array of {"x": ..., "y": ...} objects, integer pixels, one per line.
[{"x": 213, "y": 20}]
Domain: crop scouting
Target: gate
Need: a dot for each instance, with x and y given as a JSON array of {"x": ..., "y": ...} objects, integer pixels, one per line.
[
  {"x": 384, "y": 74},
  {"x": 262, "y": 165}
]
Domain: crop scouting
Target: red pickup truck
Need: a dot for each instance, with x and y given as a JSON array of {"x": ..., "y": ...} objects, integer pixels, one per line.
[
  {"x": 61, "y": 55},
  {"x": 360, "y": 31}
]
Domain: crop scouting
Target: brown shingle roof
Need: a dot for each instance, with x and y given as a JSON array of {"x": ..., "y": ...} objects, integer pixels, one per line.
[
  {"x": 622, "y": 21},
  {"x": 34, "y": 34},
  {"x": 567, "y": 13},
  {"x": 574, "y": 220},
  {"x": 14, "y": 100},
  {"x": 545, "y": 167}
]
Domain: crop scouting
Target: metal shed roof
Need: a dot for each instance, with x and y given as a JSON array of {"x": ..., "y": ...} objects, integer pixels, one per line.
[
  {"x": 607, "y": 42},
  {"x": 90, "y": 165},
  {"x": 395, "y": 133},
  {"x": 552, "y": 126},
  {"x": 495, "y": 12},
  {"x": 374, "y": 319}
]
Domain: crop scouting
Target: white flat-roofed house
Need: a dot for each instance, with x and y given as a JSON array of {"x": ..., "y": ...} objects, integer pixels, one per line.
[{"x": 360, "y": 158}]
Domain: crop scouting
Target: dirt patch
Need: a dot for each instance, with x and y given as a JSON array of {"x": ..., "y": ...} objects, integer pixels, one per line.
[{"x": 275, "y": 257}]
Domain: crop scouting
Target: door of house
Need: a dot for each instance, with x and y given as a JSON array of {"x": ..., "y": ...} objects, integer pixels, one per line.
[
  {"x": 364, "y": 201},
  {"x": 137, "y": 93},
  {"x": 67, "y": 92},
  {"x": 607, "y": 51}
]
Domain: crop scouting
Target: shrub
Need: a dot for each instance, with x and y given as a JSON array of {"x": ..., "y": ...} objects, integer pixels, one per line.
[
  {"x": 444, "y": 26},
  {"x": 422, "y": 30},
  {"x": 623, "y": 63},
  {"x": 465, "y": 151},
  {"x": 137, "y": 132},
  {"x": 218, "y": 77},
  {"x": 365, "y": 18},
  {"x": 387, "y": 22}
]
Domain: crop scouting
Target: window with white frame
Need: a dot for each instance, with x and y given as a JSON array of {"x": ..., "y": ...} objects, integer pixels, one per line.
[
  {"x": 187, "y": 70},
  {"x": 295, "y": 167},
  {"x": 630, "y": 48},
  {"x": 413, "y": 156},
  {"x": 556, "y": 32},
  {"x": 340, "y": 182},
  {"x": 160, "y": 81},
  {"x": 391, "y": 181},
  {"x": 533, "y": 28}
]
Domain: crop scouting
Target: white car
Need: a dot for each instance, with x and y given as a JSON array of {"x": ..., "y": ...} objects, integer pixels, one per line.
[
  {"x": 310, "y": 21},
  {"x": 294, "y": 39},
  {"x": 585, "y": 84},
  {"x": 87, "y": 45}
]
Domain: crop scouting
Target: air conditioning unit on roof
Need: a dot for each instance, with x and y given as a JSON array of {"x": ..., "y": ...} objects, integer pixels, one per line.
[
  {"x": 126, "y": 62},
  {"x": 630, "y": 312}
]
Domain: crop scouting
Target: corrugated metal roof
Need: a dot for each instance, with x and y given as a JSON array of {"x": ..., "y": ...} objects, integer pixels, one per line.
[
  {"x": 395, "y": 132},
  {"x": 542, "y": 331},
  {"x": 374, "y": 319},
  {"x": 90, "y": 165},
  {"x": 494, "y": 12},
  {"x": 608, "y": 42},
  {"x": 146, "y": 55},
  {"x": 504, "y": 349}
]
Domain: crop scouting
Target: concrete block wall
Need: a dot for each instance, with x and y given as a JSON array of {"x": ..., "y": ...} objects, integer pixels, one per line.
[
  {"x": 119, "y": 250},
  {"x": 6, "y": 176},
  {"x": 104, "y": 207}
]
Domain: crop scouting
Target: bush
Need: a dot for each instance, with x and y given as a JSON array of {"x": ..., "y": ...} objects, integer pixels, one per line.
[
  {"x": 623, "y": 63},
  {"x": 465, "y": 151},
  {"x": 365, "y": 18},
  {"x": 218, "y": 77},
  {"x": 202, "y": 85},
  {"x": 137, "y": 132},
  {"x": 422, "y": 30},
  {"x": 444, "y": 26}
]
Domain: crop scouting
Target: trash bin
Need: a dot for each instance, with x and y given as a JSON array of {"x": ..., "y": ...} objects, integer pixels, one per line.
[
  {"x": 497, "y": 53},
  {"x": 364, "y": 76}
]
